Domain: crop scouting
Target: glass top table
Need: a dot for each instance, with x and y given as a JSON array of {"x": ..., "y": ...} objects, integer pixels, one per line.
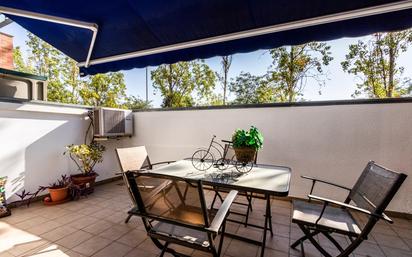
[
  {"x": 269, "y": 180},
  {"x": 264, "y": 179}
]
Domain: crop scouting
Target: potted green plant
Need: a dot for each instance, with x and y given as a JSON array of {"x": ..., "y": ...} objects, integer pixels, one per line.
[
  {"x": 59, "y": 191},
  {"x": 85, "y": 157},
  {"x": 246, "y": 144}
]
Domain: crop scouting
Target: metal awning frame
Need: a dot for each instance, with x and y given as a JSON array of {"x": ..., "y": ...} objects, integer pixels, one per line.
[
  {"x": 320, "y": 20},
  {"x": 59, "y": 20}
]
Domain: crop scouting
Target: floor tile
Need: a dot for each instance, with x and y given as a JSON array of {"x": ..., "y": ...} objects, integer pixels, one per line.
[
  {"x": 115, "y": 232},
  {"x": 58, "y": 233},
  {"x": 137, "y": 252},
  {"x": 113, "y": 249},
  {"x": 391, "y": 241},
  {"x": 98, "y": 227},
  {"x": 238, "y": 248},
  {"x": 92, "y": 246},
  {"x": 392, "y": 252},
  {"x": 74, "y": 239},
  {"x": 133, "y": 238},
  {"x": 44, "y": 227}
]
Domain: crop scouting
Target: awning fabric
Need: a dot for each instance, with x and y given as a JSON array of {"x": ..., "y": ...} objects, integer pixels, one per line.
[{"x": 126, "y": 26}]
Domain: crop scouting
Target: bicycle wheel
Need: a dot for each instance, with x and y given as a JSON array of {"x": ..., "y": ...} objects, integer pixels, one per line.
[
  {"x": 222, "y": 164},
  {"x": 202, "y": 160},
  {"x": 242, "y": 167}
]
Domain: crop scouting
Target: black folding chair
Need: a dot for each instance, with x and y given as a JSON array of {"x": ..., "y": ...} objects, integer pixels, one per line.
[
  {"x": 136, "y": 159},
  {"x": 177, "y": 213},
  {"x": 372, "y": 193}
]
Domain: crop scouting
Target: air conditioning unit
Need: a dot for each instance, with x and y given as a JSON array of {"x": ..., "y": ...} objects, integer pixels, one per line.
[{"x": 109, "y": 122}]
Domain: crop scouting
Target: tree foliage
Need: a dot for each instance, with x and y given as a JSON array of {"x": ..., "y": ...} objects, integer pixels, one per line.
[
  {"x": 180, "y": 82},
  {"x": 19, "y": 63},
  {"x": 64, "y": 82},
  {"x": 293, "y": 65},
  {"x": 107, "y": 89},
  {"x": 133, "y": 102},
  {"x": 375, "y": 63},
  {"x": 250, "y": 89}
]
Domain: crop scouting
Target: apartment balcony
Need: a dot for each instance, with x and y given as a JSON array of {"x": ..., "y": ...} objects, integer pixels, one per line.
[{"x": 330, "y": 140}]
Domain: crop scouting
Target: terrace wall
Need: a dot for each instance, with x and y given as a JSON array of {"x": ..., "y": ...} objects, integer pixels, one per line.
[
  {"x": 330, "y": 141},
  {"x": 333, "y": 142},
  {"x": 33, "y": 139}
]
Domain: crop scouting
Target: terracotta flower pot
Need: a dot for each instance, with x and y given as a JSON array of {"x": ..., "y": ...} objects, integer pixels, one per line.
[
  {"x": 58, "y": 194},
  {"x": 245, "y": 154}
]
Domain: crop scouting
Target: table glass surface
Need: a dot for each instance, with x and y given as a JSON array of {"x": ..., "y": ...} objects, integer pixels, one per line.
[{"x": 268, "y": 179}]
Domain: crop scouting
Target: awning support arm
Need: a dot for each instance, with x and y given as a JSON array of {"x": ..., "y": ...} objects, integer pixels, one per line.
[{"x": 54, "y": 19}]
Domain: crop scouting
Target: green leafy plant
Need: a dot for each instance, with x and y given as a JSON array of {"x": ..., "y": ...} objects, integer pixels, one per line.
[
  {"x": 86, "y": 156},
  {"x": 63, "y": 182},
  {"x": 252, "y": 138}
]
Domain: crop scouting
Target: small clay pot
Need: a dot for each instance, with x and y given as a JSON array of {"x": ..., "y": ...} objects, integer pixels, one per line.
[{"x": 58, "y": 194}]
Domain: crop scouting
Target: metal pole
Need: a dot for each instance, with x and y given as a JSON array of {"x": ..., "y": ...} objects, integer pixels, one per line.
[{"x": 147, "y": 84}]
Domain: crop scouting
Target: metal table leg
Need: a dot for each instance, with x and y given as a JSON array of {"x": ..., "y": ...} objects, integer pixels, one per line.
[{"x": 268, "y": 221}]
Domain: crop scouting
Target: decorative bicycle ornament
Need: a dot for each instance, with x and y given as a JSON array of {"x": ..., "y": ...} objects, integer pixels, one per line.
[{"x": 203, "y": 159}]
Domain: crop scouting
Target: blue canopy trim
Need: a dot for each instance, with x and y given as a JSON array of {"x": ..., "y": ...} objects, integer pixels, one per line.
[{"x": 127, "y": 26}]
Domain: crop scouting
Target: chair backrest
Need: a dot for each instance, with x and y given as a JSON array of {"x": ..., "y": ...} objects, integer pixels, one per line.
[
  {"x": 173, "y": 199},
  {"x": 376, "y": 187},
  {"x": 133, "y": 158}
]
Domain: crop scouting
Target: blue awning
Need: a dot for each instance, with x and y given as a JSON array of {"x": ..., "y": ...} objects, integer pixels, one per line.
[{"x": 136, "y": 34}]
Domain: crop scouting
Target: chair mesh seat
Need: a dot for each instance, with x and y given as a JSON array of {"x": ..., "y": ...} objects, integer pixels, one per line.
[
  {"x": 181, "y": 233},
  {"x": 333, "y": 218}
]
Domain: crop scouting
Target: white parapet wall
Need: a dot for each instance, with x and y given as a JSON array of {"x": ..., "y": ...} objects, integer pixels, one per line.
[
  {"x": 332, "y": 142},
  {"x": 33, "y": 139}
]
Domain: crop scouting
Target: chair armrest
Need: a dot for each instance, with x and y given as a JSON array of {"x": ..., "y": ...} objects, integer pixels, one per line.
[
  {"x": 164, "y": 162},
  {"x": 157, "y": 163},
  {"x": 325, "y": 182},
  {"x": 222, "y": 212},
  {"x": 134, "y": 171},
  {"x": 355, "y": 208}
]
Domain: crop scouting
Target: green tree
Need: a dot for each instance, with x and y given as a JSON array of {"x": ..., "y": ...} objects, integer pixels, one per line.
[
  {"x": 178, "y": 83},
  {"x": 64, "y": 82},
  {"x": 293, "y": 65},
  {"x": 226, "y": 62},
  {"x": 107, "y": 90},
  {"x": 19, "y": 63},
  {"x": 133, "y": 102},
  {"x": 375, "y": 63},
  {"x": 45, "y": 60},
  {"x": 250, "y": 89}
]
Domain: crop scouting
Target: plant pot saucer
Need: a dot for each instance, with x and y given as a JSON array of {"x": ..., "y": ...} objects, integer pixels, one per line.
[{"x": 55, "y": 203}]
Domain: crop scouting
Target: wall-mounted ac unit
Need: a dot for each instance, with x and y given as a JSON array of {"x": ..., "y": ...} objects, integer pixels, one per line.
[{"x": 109, "y": 122}]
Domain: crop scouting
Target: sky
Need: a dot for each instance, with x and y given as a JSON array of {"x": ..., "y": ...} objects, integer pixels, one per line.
[{"x": 338, "y": 85}]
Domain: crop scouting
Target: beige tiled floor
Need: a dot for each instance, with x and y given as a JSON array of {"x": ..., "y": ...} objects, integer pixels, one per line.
[{"x": 94, "y": 226}]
